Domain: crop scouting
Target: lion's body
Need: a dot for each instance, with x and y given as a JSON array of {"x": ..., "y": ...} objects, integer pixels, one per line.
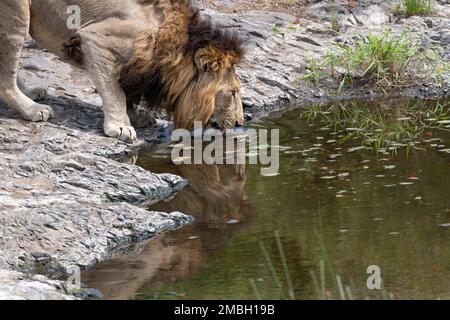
[
  {"x": 159, "y": 51},
  {"x": 116, "y": 23}
]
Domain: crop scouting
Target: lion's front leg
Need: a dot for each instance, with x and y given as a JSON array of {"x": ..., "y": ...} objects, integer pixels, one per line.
[
  {"x": 117, "y": 123},
  {"x": 102, "y": 68},
  {"x": 14, "y": 26}
]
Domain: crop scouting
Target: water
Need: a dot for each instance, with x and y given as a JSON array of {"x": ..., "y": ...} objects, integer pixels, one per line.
[{"x": 333, "y": 203}]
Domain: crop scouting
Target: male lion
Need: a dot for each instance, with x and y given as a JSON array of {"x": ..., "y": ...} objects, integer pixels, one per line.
[{"x": 152, "y": 53}]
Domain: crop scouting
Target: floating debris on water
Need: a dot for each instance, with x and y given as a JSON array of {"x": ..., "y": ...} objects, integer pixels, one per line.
[{"x": 356, "y": 149}]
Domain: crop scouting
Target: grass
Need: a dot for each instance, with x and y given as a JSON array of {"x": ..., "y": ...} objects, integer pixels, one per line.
[
  {"x": 283, "y": 31},
  {"x": 418, "y": 7},
  {"x": 334, "y": 23},
  {"x": 381, "y": 126},
  {"x": 383, "y": 60},
  {"x": 327, "y": 283}
]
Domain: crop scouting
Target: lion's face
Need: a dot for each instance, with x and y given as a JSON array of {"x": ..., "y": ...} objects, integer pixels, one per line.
[
  {"x": 228, "y": 111},
  {"x": 213, "y": 95}
]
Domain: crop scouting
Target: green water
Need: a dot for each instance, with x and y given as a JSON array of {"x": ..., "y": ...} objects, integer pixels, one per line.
[{"x": 349, "y": 208}]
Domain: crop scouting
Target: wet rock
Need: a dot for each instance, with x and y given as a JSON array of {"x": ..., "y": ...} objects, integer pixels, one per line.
[
  {"x": 66, "y": 201},
  {"x": 59, "y": 188},
  {"x": 18, "y": 286}
]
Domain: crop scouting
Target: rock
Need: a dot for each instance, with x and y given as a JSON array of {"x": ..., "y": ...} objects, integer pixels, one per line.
[
  {"x": 65, "y": 200},
  {"x": 31, "y": 66},
  {"x": 18, "y": 286},
  {"x": 62, "y": 194},
  {"x": 70, "y": 196},
  {"x": 373, "y": 16},
  {"x": 324, "y": 10}
]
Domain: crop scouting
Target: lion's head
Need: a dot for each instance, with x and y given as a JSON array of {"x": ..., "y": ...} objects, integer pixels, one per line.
[
  {"x": 194, "y": 77},
  {"x": 228, "y": 111},
  {"x": 212, "y": 93}
]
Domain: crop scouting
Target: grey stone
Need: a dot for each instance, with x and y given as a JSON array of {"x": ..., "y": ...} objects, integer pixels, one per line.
[
  {"x": 65, "y": 200},
  {"x": 61, "y": 194},
  {"x": 18, "y": 286}
]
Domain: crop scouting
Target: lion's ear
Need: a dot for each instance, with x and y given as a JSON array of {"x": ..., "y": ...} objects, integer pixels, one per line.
[
  {"x": 205, "y": 60},
  {"x": 202, "y": 60}
]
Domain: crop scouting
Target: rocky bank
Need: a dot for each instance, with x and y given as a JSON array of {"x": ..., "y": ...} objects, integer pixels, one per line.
[{"x": 71, "y": 197}]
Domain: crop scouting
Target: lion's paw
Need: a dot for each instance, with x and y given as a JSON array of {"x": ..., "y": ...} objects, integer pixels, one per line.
[
  {"x": 36, "y": 93},
  {"x": 39, "y": 112},
  {"x": 122, "y": 132}
]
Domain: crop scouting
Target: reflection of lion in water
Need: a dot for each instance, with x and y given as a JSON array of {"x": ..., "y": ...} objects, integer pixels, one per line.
[
  {"x": 148, "y": 52},
  {"x": 215, "y": 195}
]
